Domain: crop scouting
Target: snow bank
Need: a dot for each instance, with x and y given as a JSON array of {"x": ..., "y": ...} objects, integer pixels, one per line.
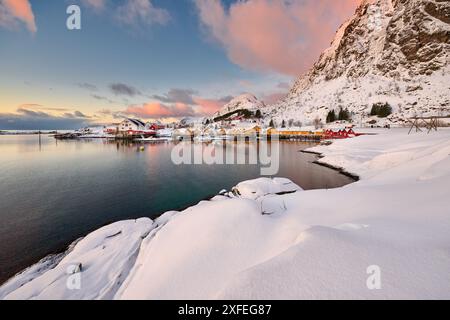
[
  {"x": 254, "y": 189},
  {"x": 102, "y": 260},
  {"x": 304, "y": 245},
  {"x": 371, "y": 155}
]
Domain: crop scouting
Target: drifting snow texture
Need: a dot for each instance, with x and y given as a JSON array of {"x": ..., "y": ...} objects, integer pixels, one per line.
[
  {"x": 308, "y": 244},
  {"x": 105, "y": 257},
  {"x": 391, "y": 51}
]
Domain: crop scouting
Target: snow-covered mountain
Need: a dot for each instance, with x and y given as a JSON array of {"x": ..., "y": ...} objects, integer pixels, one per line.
[
  {"x": 390, "y": 51},
  {"x": 245, "y": 101}
]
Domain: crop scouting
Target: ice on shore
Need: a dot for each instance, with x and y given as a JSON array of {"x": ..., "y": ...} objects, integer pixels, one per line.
[{"x": 273, "y": 241}]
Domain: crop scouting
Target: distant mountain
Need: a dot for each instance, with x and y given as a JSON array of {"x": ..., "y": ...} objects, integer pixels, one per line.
[
  {"x": 243, "y": 102},
  {"x": 189, "y": 121},
  {"x": 390, "y": 51}
]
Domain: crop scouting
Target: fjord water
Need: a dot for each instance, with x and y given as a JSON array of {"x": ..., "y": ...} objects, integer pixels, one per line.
[{"x": 53, "y": 192}]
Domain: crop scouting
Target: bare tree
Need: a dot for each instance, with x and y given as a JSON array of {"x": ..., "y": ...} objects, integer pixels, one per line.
[{"x": 318, "y": 123}]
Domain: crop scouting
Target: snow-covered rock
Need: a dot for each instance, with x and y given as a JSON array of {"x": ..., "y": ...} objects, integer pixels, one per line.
[
  {"x": 390, "y": 51},
  {"x": 254, "y": 189}
]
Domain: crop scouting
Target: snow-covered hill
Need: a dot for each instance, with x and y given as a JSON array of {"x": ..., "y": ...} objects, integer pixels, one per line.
[
  {"x": 393, "y": 51},
  {"x": 245, "y": 101}
]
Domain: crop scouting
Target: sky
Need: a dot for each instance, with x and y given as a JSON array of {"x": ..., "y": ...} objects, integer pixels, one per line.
[{"x": 153, "y": 59}]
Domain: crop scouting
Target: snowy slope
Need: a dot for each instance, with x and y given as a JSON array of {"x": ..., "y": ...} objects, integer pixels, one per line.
[
  {"x": 103, "y": 260},
  {"x": 307, "y": 244},
  {"x": 245, "y": 101},
  {"x": 390, "y": 51}
]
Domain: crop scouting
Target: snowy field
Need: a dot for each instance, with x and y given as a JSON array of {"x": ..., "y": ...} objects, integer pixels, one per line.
[{"x": 254, "y": 244}]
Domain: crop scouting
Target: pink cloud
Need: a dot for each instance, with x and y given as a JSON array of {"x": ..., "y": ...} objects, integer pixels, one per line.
[
  {"x": 208, "y": 106},
  {"x": 155, "y": 110},
  {"x": 275, "y": 35},
  {"x": 273, "y": 97},
  {"x": 10, "y": 10},
  {"x": 134, "y": 12},
  {"x": 95, "y": 4}
]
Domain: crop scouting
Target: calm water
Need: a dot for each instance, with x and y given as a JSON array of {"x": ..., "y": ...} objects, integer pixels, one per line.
[{"x": 54, "y": 192}]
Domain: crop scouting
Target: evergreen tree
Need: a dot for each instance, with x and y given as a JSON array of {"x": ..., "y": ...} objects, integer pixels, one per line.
[
  {"x": 258, "y": 114},
  {"x": 283, "y": 124},
  {"x": 344, "y": 114},
  {"x": 331, "y": 117},
  {"x": 381, "y": 110},
  {"x": 385, "y": 111},
  {"x": 271, "y": 124}
]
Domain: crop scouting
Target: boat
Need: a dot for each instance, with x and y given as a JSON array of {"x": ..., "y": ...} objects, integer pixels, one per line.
[
  {"x": 96, "y": 136},
  {"x": 203, "y": 139},
  {"x": 152, "y": 139}
]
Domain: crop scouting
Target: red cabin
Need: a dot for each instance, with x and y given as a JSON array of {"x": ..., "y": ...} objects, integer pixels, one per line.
[{"x": 156, "y": 127}]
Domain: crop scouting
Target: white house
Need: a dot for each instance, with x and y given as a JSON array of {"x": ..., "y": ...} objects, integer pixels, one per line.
[{"x": 131, "y": 125}]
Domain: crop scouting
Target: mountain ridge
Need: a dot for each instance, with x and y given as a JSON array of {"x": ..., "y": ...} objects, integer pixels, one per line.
[{"x": 390, "y": 51}]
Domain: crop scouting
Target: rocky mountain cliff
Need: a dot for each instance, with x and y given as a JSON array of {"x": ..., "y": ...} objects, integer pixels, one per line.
[{"x": 390, "y": 51}]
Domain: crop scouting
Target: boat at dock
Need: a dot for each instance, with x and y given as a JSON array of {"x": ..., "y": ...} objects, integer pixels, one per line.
[{"x": 153, "y": 139}]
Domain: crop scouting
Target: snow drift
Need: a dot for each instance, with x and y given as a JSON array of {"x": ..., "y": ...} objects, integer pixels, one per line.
[{"x": 260, "y": 244}]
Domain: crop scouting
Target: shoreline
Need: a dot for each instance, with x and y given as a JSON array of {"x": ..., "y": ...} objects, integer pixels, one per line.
[
  {"x": 289, "y": 253},
  {"x": 66, "y": 248},
  {"x": 63, "y": 250},
  {"x": 341, "y": 170}
]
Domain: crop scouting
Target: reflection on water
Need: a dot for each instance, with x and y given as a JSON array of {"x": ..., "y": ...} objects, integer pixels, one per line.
[{"x": 53, "y": 192}]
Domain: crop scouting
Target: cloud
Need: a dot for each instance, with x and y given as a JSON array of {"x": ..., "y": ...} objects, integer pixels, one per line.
[
  {"x": 113, "y": 114},
  {"x": 97, "y": 5},
  {"x": 26, "y": 119},
  {"x": 274, "y": 35},
  {"x": 226, "y": 99},
  {"x": 284, "y": 85},
  {"x": 273, "y": 97},
  {"x": 31, "y": 106},
  {"x": 102, "y": 98},
  {"x": 135, "y": 12},
  {"x": 40, "y": 114},
  {"x": 13, "y": 10},
  {"x": 75, "y": 115},
  {"x": 36, "y": 106},
  {"x": 157, "y": 110},
  {"x": 87, "y": 86},
  {"x": 177, "y": 95},
  {"x": 210, "y": 106},
  {"x": 123, "y": 89},
  {"x": 79, "y": 114},
  {"x": 32, "y": 113},
  {"x": 201, "y": 106}
]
